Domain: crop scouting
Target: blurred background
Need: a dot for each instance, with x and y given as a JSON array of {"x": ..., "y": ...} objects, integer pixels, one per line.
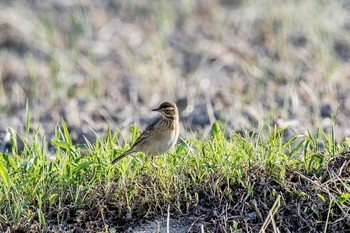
[{"x": 247, "y": 64}]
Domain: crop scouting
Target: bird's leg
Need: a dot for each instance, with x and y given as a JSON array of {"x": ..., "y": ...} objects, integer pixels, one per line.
[{"x": 156, "y": 164}]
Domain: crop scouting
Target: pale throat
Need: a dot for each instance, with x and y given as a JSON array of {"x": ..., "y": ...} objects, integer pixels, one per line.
[{"x": 170, "y": 118}]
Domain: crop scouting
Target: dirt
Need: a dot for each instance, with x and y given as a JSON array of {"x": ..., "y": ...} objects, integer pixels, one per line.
[
  {"x": 175, "y": 225},
  {"x": 94, "y": 63}
]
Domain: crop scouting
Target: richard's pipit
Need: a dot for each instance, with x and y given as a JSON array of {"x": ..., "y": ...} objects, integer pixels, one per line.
[{"x": 160, "y": 136}]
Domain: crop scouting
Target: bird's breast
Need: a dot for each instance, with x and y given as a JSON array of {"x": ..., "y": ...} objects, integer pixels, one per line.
[{"x": 164, "y": 141}]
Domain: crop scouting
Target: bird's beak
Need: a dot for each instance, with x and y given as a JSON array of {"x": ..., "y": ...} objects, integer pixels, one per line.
[{"x": 155, "y": 110}]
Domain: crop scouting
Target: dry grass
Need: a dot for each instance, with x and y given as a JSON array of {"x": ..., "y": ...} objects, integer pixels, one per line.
[
  {"x": 245, "y": 64},
  {"x": 253, "y": 61}
]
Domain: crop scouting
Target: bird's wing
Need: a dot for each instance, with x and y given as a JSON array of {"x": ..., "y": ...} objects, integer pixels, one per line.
[{"x": 147, "y": 132}]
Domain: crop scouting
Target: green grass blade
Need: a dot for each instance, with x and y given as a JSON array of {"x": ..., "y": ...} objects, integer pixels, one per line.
[
  {"x": 66, "y": 132},
  {"x": 82, "y": 166},
  {"x": 4, "y": 173}
]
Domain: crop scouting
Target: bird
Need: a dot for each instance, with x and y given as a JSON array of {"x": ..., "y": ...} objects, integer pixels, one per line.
[{"x": 158, "y": 137}]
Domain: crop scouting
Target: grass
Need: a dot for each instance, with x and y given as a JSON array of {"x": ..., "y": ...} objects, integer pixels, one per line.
[
  {"x": 239, "y": 182},
  {"x": 264, "y": 60}
]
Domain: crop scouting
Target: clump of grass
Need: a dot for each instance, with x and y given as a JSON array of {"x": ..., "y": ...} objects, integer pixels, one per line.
[{"x": 236, "y": 182}]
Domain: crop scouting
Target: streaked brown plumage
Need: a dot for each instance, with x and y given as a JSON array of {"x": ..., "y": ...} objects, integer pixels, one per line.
[{"x": 160, "y": 136}]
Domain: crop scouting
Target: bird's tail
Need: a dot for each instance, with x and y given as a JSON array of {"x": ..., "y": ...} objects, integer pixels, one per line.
[{"x": 121, "y": 156}]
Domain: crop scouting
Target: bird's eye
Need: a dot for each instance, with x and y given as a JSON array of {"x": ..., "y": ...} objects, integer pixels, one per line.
[{"x": 167, "y": 111}]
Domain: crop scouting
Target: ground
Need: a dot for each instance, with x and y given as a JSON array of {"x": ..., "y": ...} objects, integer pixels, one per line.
[{"x": 249, "y": 65}]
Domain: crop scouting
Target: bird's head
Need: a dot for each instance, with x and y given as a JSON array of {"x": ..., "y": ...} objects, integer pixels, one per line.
[{"x": 167, "y": 109}]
